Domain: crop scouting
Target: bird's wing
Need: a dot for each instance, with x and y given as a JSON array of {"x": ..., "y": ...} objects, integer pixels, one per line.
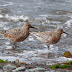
[
  {"x": 43, "y": 36},
  {"x": 13, "y": 33}
]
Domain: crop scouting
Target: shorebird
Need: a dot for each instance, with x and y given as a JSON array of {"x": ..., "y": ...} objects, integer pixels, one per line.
[
  {"x": 49, "y": 37},
  {"x": 18, "y": 34}
]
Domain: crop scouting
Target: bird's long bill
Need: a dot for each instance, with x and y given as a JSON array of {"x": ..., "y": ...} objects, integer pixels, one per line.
[
  {"x": 65, "y": 33},
  {"x": 33, "y": 27}
]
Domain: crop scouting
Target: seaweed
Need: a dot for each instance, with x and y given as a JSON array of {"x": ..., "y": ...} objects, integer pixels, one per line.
[
  {"x": 62, "y": 65},
  {"x": 2, "y": 61}
]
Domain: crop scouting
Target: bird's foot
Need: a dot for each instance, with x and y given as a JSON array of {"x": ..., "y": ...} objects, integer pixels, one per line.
[
  {"x": 48, "y": 47},
  {"x": 48, "y": 55},
  {"x": 15, "y": 46}
]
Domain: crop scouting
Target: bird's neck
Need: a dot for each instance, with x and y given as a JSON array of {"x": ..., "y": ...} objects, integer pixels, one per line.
[
  {"x": 58, "y": 35},
  {"x": 56, "y": 38},
  {"x": 25, "y": 28}
]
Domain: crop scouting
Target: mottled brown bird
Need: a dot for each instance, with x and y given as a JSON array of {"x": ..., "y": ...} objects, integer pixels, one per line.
[
  {"x": 49, "y": 37},
  {"x": 18, "y": 34}
]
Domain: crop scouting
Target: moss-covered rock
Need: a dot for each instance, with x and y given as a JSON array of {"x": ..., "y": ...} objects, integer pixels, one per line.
[
  {"x": 70, "y": 62},
  {"x": 54, "y": 66},
  {"x": 67, "y": 54},
  {"x": 2, "y": 61},
  {"x": 59, "y": 66},
  {"x": 64, "y": 66},
  {"x": 67, "y": 65}
]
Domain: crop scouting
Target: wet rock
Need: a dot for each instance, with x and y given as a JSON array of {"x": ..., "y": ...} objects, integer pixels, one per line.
[
  {"x": 36, "y": 70},
  {"x": 9, "y": 68},
  {"x": 67, "y": 54},
  {"x": 19, "y": 69}
]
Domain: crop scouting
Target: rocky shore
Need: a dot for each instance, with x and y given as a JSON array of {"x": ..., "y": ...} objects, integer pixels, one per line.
[{"x": 16, "y": 66}]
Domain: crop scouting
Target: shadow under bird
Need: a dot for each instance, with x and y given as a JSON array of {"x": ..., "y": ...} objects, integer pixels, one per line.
[
  {"x": 18, "y": 34},
  {"x": 49, "y": 37}
]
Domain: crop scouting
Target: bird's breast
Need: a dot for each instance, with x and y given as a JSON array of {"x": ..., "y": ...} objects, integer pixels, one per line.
[
  {"x": 56, "y": 39},
  {"x": 22, "y": 37}
]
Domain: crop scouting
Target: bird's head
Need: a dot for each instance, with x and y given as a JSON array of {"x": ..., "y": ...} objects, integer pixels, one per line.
[
  {"x": 60, "y": 31},
  {"x": 28, "y": 25}
]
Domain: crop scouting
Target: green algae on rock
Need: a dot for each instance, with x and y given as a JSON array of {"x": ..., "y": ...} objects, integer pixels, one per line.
[
  {"x": 68, "y": 65},
  {"x": 2, "y": 61},
  {"x": 70, "y": 62},
  {"x": 59, "y": 66},
  {"x": 54, "y": 66}
]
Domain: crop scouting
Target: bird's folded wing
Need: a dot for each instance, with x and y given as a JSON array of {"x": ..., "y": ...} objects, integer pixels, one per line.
[
  {"x": 43, "y": 36},
  {"x": 13, "y": 33}
]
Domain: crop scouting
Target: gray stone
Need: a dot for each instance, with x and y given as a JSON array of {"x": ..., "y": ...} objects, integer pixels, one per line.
[
  {"x": 36, "y": 70},
  {"x": 8, "y": 67},
  {"x": 19, "y": 69}
]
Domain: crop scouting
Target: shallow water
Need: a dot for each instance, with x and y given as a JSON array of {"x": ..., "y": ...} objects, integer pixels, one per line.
[{"x": 43, "y": 14}]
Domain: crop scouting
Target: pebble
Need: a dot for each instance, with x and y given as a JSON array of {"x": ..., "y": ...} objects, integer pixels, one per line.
[
  {"x": 19, "y": 69},
  {"x": 8, "y": 67},
  {"x": 38, "y": 69}
]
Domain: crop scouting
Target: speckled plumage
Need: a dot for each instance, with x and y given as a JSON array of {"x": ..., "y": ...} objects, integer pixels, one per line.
[
  {"x": 18, "y": 34},
  {"x": 49, "y": 37}
]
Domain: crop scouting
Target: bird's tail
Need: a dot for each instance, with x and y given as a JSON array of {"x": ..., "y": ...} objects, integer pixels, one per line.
[
  {"x": 2, "y": 32},
  {"x": 33, "y": 33}
]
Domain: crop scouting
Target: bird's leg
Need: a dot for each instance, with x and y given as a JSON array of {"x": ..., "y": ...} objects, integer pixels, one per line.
[
  {"x": 48, "y": 52},
  {"x": 15, "y": 46},
  {"x": 48, "y": 47},
  {"x": 48, "y": 44}
]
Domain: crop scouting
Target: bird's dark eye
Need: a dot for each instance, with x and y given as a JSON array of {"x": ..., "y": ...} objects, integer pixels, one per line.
[{"x": 28, "y": 25}]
